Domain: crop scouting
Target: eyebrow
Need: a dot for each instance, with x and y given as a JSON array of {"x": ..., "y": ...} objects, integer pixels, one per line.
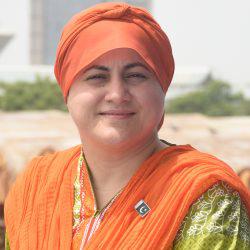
[
  {"x": 128, "y": 66},
  {"x": 136, "y": 64}
]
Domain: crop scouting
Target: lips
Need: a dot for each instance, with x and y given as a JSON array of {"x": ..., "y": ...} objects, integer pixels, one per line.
[{"x": 117, "y": 113}]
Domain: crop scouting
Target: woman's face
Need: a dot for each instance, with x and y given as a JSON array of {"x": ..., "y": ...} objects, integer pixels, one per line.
[{"x": 116, "y": 100}]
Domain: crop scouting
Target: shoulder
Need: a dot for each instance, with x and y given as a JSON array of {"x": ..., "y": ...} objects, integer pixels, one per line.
[
  {"x": 218, "y": 217},
  {"x": 43, "y": 175},
  {"x": 40, "y": 171},
  {"x": 189, "y": 154},
  {"x": 197, "y": 172},
  {"x": 42, "y": 165},
  {"x": 198, "y": 167}
]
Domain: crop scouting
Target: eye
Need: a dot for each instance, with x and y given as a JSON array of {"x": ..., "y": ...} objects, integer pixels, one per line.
[
  {"x": 99, "y": 76},
  {"x": 136, "y": 75}
]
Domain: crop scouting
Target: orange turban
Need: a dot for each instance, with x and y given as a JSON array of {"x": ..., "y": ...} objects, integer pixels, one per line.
[{"x": 107, "y": 26}]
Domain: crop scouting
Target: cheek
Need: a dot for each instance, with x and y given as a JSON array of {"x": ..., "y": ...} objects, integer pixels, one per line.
[
  {"x": 152, "y": 103},
  {"x": 82, "y": 108}
]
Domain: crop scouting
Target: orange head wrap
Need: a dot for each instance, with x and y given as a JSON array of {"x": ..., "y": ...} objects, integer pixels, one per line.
[{"x": 107, "y": 26}]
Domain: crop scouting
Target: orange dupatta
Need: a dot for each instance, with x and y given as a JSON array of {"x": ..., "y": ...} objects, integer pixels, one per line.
[{"x": 38, "y": 210}]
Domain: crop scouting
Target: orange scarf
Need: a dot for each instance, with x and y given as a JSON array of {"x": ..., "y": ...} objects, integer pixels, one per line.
[{"x": 38, "y": 209}]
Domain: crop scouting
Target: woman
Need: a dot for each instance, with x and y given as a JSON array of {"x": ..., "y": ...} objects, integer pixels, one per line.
[{"x": 123, "y": 187}]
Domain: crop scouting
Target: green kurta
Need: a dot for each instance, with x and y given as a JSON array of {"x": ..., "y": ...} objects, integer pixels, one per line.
[{"x": 217, "y": 220}]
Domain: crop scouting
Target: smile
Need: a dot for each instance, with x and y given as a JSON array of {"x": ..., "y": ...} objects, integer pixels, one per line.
[{"x": 117, "y": 114}]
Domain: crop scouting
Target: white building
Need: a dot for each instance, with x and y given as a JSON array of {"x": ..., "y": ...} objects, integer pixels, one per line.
[
  {"x": 14, "y": 32},
  {"x": 27, "y": 73},
  {"x": 5, "y": 37}
]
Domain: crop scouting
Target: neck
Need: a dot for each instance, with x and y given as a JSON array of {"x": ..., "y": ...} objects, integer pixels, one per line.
[{"x": 111, "y": 169}]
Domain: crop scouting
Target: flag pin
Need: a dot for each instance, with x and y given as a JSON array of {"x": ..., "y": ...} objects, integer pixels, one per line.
[{"x": 142, "y": 208}]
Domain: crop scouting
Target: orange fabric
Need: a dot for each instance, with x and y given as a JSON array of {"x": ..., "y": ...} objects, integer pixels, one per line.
[
  {"x": 108, "y": 26},
  {"x": 38, "y": 209}
]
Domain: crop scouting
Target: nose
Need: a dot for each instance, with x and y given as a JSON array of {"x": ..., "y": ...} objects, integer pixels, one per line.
[{"x": 117, "y": 91}]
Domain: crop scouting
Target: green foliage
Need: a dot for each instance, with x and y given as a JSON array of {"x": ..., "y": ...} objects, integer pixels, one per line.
[
  {"x": 43, "y": 94},
  {"x": 214, "y": 99}
]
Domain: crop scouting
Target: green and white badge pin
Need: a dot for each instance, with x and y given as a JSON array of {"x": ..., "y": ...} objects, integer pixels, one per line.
[{"x": 142, "y": 208}]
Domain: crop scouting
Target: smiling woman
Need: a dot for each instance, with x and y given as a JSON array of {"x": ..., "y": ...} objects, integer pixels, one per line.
[{"x": 123, "y": 187}]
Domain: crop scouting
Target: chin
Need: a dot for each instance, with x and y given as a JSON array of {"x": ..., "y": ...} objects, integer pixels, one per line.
[{"x": 115, "y": 137}]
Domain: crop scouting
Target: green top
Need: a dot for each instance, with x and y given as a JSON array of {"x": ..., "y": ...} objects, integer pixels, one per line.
[
  {"x": 218, "y": 220},
  {"x": 7, "y": 245}
]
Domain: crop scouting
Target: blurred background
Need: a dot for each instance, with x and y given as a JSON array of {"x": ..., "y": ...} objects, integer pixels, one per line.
[{"x": 207, "y": 105}]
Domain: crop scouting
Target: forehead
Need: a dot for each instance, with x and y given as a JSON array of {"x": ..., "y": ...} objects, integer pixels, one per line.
[{"x": 120, "y": 57}]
